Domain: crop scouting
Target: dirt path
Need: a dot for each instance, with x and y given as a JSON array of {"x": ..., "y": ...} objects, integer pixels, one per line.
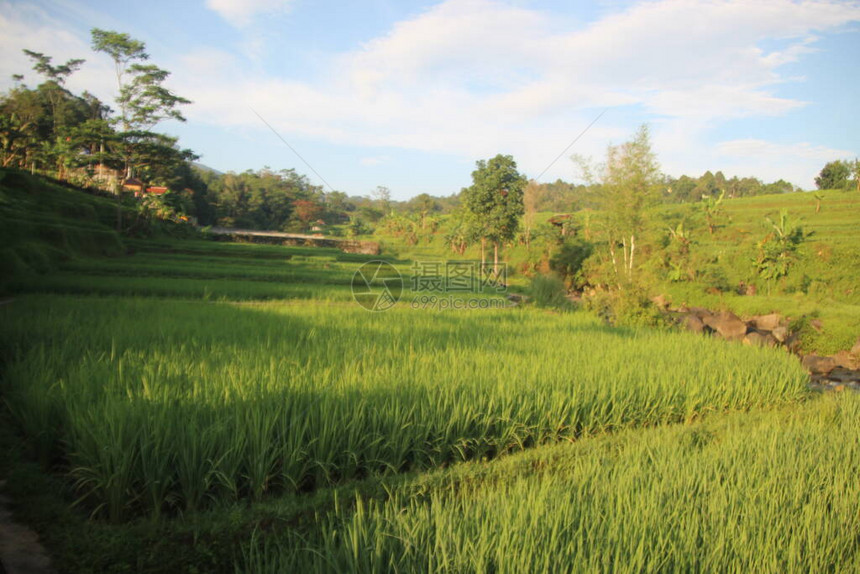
[{"x": 20, "y": 550}]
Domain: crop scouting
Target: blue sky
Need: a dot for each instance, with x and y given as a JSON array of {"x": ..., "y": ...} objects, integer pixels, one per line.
[{"x": 410, "y": 94}]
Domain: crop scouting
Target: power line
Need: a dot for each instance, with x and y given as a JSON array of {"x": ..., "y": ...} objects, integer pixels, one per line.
[
  {"x": 291, "y": 148},
  {"x": 570, "y": 145}
]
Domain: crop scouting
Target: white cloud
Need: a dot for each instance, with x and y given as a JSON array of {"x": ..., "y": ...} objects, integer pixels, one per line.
[
  {"x": 472, "y": 78},
  {"x": 242, "y": 12},
  {"x": 374, "y": 161},
  {"x": 30, "y": 27}
]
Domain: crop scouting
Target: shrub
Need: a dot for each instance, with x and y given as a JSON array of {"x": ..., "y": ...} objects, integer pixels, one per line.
[
  {"x": 568, "y": 262},
  {"x": 548, "y": 290}
]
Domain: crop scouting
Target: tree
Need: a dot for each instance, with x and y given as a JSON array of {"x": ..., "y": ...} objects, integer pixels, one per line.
[
  {"x": 56, "y": 78},
  {"x": 834, "y": 175},
  {"x": 630, "y": 182},
  {"x": 532, "y": 195},
  {"x": 423, "y": 204},
  {"x": 778, "y": 250},
  {"x": 383, "y": 196},
  {"x": 495, "y": 202},
  {"x": 712, "y": 207},
  {"x": 143, "y": 100},
  {"x": 307, "y": 211}
]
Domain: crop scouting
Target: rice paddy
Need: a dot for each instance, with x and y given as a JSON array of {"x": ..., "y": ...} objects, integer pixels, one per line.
[{"x": 194, "y": 378}]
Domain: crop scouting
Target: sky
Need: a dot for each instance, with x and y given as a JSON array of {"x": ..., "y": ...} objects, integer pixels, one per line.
[{"x": 410, "y": 94}]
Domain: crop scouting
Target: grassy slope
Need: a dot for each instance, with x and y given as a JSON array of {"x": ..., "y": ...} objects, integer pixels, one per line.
[
  {"x": 824, "y": 282},
  {"x": 43, "y": 224}
]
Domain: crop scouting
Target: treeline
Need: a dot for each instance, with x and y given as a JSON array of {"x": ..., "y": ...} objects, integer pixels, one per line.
[
  {"x": 561, "y": 196},
  {"x": 78, "y": 138}
]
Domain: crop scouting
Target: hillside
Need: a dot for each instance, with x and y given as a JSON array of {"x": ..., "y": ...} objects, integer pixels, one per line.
[{"x": 43, "y": 224}]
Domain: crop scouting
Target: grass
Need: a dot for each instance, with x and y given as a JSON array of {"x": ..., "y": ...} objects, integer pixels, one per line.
[
  {"x": 194, "y": 405},
  {"x": 160, "y": 406},
  {"x": 772, "y": 491}
]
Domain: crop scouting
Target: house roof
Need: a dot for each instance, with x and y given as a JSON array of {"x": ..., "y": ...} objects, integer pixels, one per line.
[{"x": 158, "y": 190}]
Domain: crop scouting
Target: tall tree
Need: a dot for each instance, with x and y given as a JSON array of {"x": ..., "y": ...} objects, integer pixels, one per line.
[
  {"x": 56, "y": 78},
  {"x": 495, "y": 202},
  {"x": 143, "y": 100},
  {"x": 531, "y": 199},
  {"x": 630, "y": 182}
]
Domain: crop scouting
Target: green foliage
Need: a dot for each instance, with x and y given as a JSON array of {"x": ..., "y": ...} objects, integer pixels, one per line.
[
  {"x": 628, "y": 307},
  {"x": 777, "y": 251},
  {"x": 568, "y": 261},
  {"x": 549, "y": 290},
  {"x": 495, "y": 199},
  {"x": 834, "y": 175},
  {"x": 629, "y": 183}
]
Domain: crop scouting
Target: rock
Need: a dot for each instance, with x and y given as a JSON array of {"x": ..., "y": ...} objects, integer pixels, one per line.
[
  {"x": 692, "y": 323},
  {"x": 699, "y": 312},
  {"x": 759, "y": 339},
  {"x": 842, "y": 375},
  {"x": 793, "y": 343},
  {"x": 816, "y": 324},
  {"x": 846, "y": 360},
  {"x": 817, "y": 365},
  {"x": 767, "y": 322},
  {"x": 661, "y": 302},
  {"x": 780, "y": 334},
  {"x": 727, "y": 325}
]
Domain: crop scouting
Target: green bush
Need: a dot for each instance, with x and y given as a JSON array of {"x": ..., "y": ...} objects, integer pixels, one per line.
[
  {"x": 569, "y": 260},
  {"x": 628, "y": 307},
  {"x": 548, "y": 290}
]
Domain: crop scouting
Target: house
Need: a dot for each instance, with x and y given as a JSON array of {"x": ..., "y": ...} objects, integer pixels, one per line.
[
  {"x": 157, "y": 190},
  {"x": 318, "y": 225},
  {"x": 132, "y": 184}
]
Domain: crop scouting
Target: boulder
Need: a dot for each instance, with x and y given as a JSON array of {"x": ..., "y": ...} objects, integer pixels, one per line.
[
  {"x": 692, "y": 323},
  {"x": 846, "y": 360},
  {"x": 793, "y": 343},
  {"x": 817, "y": 365},
  {"x": 759, "y": 339},
  {"x": 727, "y": 325},
  {"x": 699, "y": 312},
  {"x": 780, "y": 333},
  {"x": 767, "y": 322}
]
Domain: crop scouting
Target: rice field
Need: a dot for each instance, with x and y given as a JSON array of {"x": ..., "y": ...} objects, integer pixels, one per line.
[
  {"x": 772, "y": 491},
  {"x": 240, "y": 387},
  {"x": 162, "y": 406}
]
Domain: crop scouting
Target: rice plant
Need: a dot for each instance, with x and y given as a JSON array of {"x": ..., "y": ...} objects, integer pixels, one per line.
[{"x": 167, "y": 405}]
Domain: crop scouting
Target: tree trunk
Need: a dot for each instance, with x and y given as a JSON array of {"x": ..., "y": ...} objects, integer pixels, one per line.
[
  {"x": 632, "y": 250},
  {"x": 483, "y": 253},
  {"x": 495, "y": 260}
]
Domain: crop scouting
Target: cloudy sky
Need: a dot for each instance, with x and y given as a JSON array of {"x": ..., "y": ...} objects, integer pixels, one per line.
[{"x": 409, "y": 94}]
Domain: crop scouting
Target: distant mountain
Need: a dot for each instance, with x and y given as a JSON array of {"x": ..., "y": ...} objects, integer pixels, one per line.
[{"x": 206, "y": 168}]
